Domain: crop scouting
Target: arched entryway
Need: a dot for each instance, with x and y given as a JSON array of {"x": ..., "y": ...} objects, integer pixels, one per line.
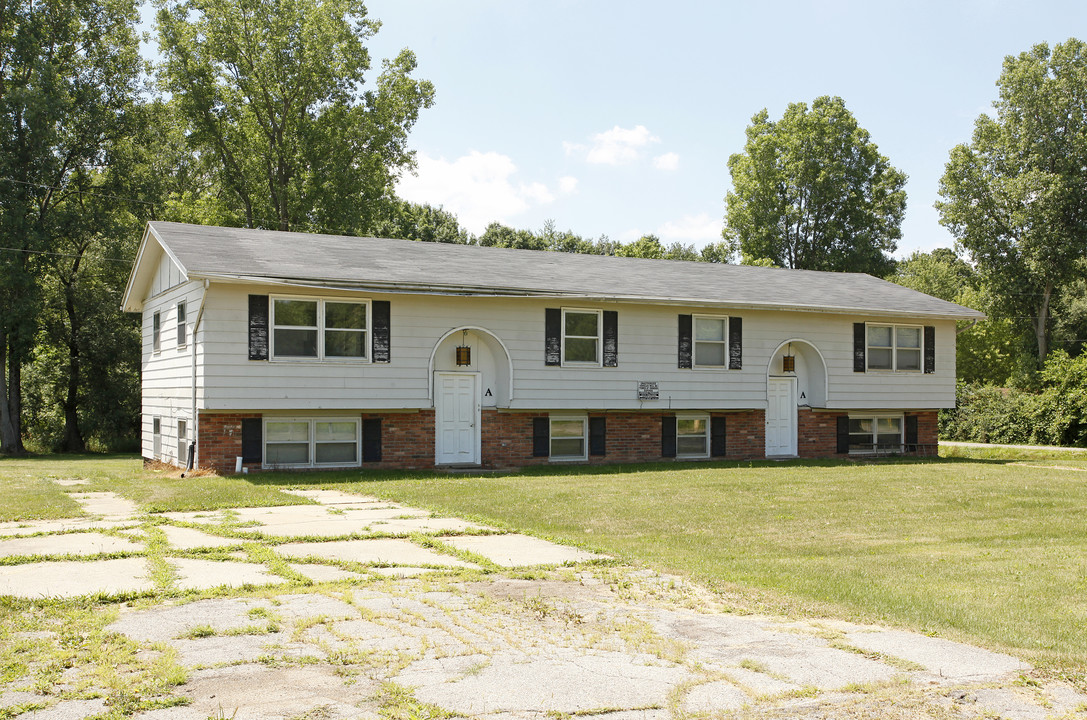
[
  {"x": 796, "y": 377},
  {"x": 482, "y": 379}
]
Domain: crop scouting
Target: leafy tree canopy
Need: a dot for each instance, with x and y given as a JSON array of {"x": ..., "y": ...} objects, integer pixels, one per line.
[
  {"x": 272, "y": 96},
  {"x": 1015, "y": 196},
  {"x": 812, "y": 191}
]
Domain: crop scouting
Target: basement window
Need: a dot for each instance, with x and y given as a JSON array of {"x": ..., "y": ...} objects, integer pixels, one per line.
[
  {"x": 876, "y": 434},
  {"x": 311, "y": 442}
]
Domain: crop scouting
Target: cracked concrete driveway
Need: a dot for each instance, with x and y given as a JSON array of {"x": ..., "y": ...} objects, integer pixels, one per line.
[{"x": 358, "y": 608}]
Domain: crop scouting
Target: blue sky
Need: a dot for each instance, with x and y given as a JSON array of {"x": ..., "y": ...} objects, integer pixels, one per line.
[{"x": 618, "y": 118}]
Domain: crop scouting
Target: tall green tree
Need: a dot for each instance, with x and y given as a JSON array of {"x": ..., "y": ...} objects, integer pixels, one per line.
[
  {"x": 1015, "y": 197},
  {"x": 426, "y": 223},
  {"x": 812, "y": 191},
  {"x": 69, "y": 74},
  {"x": 274, "y": 95}
]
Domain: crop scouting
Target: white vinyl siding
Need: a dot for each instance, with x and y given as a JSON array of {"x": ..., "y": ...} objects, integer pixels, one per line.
[
  {"x": 319, "y": 329},
  {"x": 230, "y": 381},
  {"x": 710, "y": 341},
  {"x": 692, "y": 436},
  {"x": 581, "y": 333},
  {"x": 312, "y": 442},
  {"x": 569, "y": 437},
  {"x": 894, "y": 347}
]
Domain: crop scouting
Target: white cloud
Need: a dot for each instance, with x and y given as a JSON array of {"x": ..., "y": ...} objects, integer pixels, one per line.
[
  {"x": 479, "y": 188},
  {"x": 697, "y": 230},
  {"x": 667, "y": 161},
  {"x": 694, "y": 229},
  {"x": 567, "y": 184},
  {"x": 618, "y": 146}
]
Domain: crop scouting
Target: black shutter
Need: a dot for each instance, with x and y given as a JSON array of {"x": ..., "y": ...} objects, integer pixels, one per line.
[
  {"x": 258, "y": 327},
  {"x": 717, "y": 436},
  {"x": 911, "y": 430},
  {"x": 668, "y": 436},
  {"x": 843, "y": 434},
  {"x": 541, "y": 437},
  {"x": 371, "y": 440},
  {"x": 735, "y": 343},
  {"x": 860, "y": 342},
  {"x": 930, "y": 349},
  {"x": 552, "y": 337},
  {"x": 252, "y": 438},
  {"x": 598, "y": 431},
  {"x": 382, "y": 331},
  {"x": 611, "y": 338},
  {"x": 685, "y": 341}
]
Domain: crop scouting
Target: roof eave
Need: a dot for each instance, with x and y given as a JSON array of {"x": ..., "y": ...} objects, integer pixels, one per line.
[{"x": 488, "y": 291}]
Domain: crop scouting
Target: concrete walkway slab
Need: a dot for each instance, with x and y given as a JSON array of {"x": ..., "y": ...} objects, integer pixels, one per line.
[
  {"x": 83, "y": 544},
  {"x": 425, "y": 525},
  {"x": 950, "y": 660},
  {"x": 372, "y": 552},
  {"x": 68, "y": 710},
  {"x": 566, "y": 681},
  {"x": 34, "y": 527},
  {"x": 519, "y": 550},
  {"x": 183, "y": 538},
  {"x": 108, "y": 505},
  {"x": 324, "y": 573},
  {"x": 167, "y": 622},
  {"x": 335, "y": 497},
  {"x": 68, "y": 579},
  {"x": 206, "y": 574}
]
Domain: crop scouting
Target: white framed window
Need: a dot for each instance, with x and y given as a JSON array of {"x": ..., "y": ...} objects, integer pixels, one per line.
[
  {"x": 710, "y": 341},
  {"x": 156, "y": 331},
  {"x": 873, "y": 434},
  {"x": 182, "y": 329},
  {"x": 312, "y": 442},
  {"x": 318, "y": 329},
  {"x": 692, "y": 436},
  {"x": 894, "y": 347},
  {"x": 569, "y": 437},
  {"x": 156, "y": 437},
  {"x": 182, "y": 443},
  {"x": 581, "y": 336}
]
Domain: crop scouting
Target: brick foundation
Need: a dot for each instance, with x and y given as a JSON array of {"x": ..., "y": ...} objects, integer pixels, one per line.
[
  {"x": 817, "y": 433},
  {"x": 407, "y": 439}
]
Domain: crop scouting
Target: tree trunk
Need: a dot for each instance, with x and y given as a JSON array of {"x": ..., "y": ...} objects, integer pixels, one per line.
[
  {"x": 11, "y": 441},
  {"x": 1041, "y": 323},
  {"x": 73, "y": 437}
]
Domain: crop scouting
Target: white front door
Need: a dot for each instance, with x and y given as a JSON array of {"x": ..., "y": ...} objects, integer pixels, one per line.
[
  {"x": 781, "y": 416},
  {"x": 456, "y": 410}
]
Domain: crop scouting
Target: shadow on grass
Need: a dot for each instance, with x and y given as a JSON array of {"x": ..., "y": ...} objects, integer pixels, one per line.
[{"x": 337, "y": 477}]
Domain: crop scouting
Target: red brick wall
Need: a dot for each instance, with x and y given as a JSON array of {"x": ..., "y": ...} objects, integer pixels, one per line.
[{"x": 407, "y": 440}]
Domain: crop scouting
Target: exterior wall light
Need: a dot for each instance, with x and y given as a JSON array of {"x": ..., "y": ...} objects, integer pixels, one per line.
[
  {"x": 788, "y": 361},
  {"x": 464, "y": 352}
]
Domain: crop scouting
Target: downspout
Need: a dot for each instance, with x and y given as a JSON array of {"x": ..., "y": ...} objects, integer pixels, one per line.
[{"x": 194, "y": 448}]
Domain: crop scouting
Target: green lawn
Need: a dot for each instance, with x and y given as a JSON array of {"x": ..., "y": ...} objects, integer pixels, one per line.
[{"x": 991, "y": 550}]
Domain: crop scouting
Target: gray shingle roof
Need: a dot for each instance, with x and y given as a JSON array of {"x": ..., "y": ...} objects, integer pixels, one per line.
[{"x": 405, "y": 265}]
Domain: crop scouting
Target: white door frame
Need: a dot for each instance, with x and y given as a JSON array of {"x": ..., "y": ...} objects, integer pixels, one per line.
[
  {"x": 476, "y": 420},
  {"x": 791, "y": 450}
]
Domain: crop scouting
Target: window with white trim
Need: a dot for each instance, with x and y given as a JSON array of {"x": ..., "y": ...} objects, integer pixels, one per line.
[
  {"x": 875, "y": 433},
  {"x": 312, "y": 442},
  {"x": 182, "y": 442},
  {"x": 894, "y": 347},
  {"x": 182, "y": 334},
  {"x": 156, "y": 332},
  {"x": 710, "y": 341},
  {"x": 156, "y": 438},
  {"x": 304, "y": 328},
  {"x": 581, "y": 332},
  {"x": 569, "y": 437},
  {"x": 692, "y": 436}
]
